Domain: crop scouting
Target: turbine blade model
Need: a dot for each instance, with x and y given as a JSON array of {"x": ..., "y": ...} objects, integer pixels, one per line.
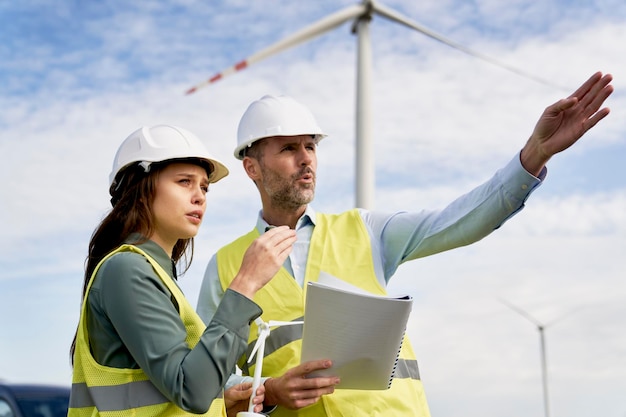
[{"x": 263, "y": 332}]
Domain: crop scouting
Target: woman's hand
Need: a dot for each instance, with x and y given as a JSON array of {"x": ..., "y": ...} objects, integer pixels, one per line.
[
  {"x": 237, "y": 398},
  {"x": 262, "y": 260}
]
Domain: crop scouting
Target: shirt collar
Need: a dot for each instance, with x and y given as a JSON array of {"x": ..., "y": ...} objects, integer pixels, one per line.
[
  {"x": 308, "y": 218},
  {"x": 155, "y": 251}
]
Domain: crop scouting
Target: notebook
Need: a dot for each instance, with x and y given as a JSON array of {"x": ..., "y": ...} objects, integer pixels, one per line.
[{"x": 360, "y": 332}]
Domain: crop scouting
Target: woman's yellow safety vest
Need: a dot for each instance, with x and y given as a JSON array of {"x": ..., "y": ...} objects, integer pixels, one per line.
[
  {"x": 340, "y": 246},
  {"x": 99, "y": 390}
]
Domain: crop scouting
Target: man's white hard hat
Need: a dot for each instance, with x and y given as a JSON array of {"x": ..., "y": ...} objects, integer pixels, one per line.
[
  {"x": 275, "y": 116},
  {"x": 160, "y": 143}
]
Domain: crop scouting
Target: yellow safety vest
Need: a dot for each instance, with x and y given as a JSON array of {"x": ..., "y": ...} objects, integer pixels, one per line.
[
  {"x": 340, "y": 246},
  {"x": 99, "y": 390}
]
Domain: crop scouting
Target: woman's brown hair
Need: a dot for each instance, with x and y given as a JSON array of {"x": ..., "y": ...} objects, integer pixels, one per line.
[{"x": 132, "y": 200}]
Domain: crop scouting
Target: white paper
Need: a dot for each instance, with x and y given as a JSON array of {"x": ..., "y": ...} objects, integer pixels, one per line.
[{"x": 360, "y": 332}]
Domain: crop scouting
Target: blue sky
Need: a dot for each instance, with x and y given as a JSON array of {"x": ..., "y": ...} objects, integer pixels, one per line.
[{"x": 78, "y": 77}]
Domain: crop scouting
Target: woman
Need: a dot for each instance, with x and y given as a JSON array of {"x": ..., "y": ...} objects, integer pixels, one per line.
[{"x": 140, "y": 348}]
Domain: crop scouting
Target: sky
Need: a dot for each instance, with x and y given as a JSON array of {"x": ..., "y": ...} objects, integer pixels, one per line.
[{"x": 78, "y": 77}]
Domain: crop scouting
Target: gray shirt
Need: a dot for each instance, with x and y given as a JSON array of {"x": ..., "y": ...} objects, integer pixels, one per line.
[{"x": 133, "y": 322}]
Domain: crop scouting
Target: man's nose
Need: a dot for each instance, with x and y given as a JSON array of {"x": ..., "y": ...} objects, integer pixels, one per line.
[{"x": 304, "y": 155}]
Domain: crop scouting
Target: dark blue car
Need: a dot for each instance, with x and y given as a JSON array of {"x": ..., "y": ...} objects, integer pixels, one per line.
[{"x": 33, "y": 400}]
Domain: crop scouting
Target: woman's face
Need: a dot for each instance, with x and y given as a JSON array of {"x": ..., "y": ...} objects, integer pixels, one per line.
[{"x": 179, "y": 203}]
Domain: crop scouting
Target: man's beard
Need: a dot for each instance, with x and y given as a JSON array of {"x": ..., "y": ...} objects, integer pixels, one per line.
[{"x": 285, "y": 193}]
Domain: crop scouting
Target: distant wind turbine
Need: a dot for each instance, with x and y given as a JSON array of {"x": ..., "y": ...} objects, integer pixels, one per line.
[
  {"x": 362, "y": 15},
  {"x": 544, "y": 365}
]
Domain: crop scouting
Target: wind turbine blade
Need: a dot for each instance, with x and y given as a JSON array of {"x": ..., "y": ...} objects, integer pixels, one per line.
[
  {"x": 309, "y": 32},
  {"x": 396, "y": 17},
  {"x": 259, "y": 341},
  {"x": 522, "y": 312},
  {"x": 273, "y": 323},
  {"x": 564, "y": 316}
]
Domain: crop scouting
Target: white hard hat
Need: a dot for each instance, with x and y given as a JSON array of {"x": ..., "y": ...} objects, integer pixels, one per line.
[
  {"x": 275, "y": 116},
  {"x": 161, "y": 143}
]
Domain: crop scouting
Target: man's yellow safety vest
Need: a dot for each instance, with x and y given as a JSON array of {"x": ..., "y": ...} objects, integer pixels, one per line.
[
  {"x": 340, "y": 246},
  {"x": 99, "y": 390}
]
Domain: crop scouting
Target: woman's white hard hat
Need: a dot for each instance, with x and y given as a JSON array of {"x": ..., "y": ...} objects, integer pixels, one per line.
[
  {"x": 160, "y": 143},
  {"x": 275, "y": 116}
]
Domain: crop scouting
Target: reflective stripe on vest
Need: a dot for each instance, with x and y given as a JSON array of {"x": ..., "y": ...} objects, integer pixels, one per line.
[
  {"x": 99, "y": 390},
  {"x": 117, "y": 397},
  {"x": 282, "y": 336},
  {"x": 335, "y": 239}
]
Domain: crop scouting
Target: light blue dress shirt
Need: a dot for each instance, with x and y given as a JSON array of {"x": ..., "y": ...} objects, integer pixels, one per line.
[{"x": 403, "y": 236}]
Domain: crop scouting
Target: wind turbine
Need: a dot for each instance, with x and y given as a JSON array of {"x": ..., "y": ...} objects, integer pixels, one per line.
[
  {"x": 544, "y": 365},
  {"x": 361, "y": 14},
  {"x": 263, "y": 332}
]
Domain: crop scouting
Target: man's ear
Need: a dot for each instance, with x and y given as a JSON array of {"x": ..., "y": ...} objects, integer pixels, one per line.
[{"x": 251, "y": 166}]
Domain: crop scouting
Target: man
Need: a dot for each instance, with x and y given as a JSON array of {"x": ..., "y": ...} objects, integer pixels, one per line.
[{"x": 277, "y": 139}]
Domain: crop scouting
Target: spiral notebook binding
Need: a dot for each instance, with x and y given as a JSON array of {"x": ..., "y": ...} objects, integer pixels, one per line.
[{"x": 395, "y": 364}]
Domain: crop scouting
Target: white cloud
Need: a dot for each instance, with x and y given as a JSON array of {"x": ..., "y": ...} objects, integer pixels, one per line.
[{"x": 443, "y": 122}]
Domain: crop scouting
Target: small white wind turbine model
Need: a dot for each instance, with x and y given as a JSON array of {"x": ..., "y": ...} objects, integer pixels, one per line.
[
  {"x": 362, "y": 14},
  {"x": 263, "y": 329}
]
